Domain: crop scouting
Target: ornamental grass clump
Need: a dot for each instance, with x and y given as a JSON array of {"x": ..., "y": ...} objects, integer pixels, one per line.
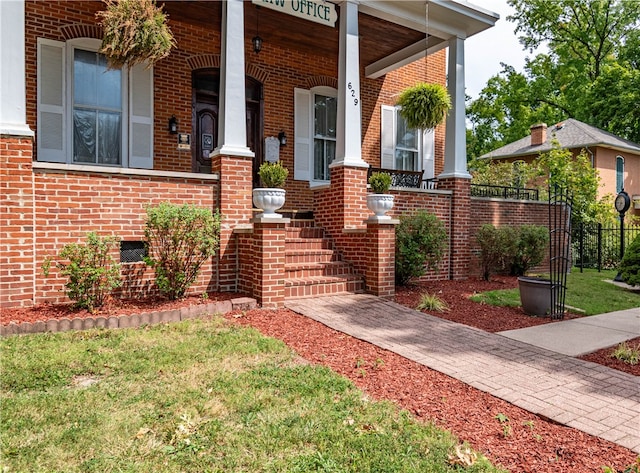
[
  {"x": 134, "y": 32},
  {"x": 424, "y": 106},
  {"x": 179, "y": 240}
]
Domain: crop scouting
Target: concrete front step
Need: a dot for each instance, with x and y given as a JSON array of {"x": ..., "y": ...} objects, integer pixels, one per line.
[{"x": 298, "y": 288}]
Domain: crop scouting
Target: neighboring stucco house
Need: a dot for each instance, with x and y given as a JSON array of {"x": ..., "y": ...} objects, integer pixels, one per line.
[
  {"x": 616, "y": 159},
  {"x": 85, "y": 148}
]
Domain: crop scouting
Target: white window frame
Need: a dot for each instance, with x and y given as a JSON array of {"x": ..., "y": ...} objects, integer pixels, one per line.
[
  {"x": 93, "y": 45},
  {"x": 389, "y": 118},
  {"x": 56, "y": 66},
  {"x": 304, "y": 105},
  {"x": 619, "y": 174}
]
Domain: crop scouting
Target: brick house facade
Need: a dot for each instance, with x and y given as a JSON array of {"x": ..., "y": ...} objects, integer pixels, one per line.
[
  {"x": 61, "y": 178},
  {"x": 617, "y": 160}
]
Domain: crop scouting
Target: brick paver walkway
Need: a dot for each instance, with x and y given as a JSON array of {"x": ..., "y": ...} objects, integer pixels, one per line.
[{"x": 589, "y": 397}]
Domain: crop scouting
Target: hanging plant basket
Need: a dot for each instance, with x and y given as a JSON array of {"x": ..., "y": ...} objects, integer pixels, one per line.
[
  {"x": 424, "y": 106},
  {"x": 135, "y": 32}
]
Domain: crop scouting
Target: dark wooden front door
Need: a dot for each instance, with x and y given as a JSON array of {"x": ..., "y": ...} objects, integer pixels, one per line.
[{"x": 206, "y": 85}]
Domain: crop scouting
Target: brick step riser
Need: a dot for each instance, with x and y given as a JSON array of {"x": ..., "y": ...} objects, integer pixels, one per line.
[
  {"x": 326, "y": 271},
  {"x": 319, "y": 256},
  {"x": 304, "y": 232},
  {"x": 325, "y": 289},
  {"x": 308, "y": 244},
  {"x": 301, "y": 224}
]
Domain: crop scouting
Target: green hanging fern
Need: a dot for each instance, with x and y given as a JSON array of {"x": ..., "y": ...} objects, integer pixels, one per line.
[
  {"x": 424, "y": 106},
  {"x": 135, "y": 31}
]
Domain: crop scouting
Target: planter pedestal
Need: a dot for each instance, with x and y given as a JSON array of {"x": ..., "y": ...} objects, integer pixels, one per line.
[{"x": 535, "y": 295}]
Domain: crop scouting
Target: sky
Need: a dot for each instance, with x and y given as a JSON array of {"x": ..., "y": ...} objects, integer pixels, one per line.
[{"x": 484, "y": 52}]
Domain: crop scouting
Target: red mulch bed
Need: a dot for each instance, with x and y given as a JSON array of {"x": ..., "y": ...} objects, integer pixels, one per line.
[{"x": 534, "y": 444}]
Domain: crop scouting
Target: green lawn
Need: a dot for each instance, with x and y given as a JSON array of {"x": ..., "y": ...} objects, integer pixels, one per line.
[
  {"x": 587, "y": 291},
  {"x": 196, "y": 396}
]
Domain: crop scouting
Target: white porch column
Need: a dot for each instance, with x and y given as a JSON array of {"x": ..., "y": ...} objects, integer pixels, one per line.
[
  {"x": 349, "y": 121},
  {"x": 232, "y": 133},
  {"x": 455, "y": 155},
  {"x": 13, "y": 107}
]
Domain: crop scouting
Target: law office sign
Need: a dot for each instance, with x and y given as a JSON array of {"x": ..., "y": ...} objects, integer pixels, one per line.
[{"x": 318, "y": 11}]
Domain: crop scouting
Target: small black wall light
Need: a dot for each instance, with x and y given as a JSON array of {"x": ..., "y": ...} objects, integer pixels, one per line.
[
  {"x": 282, "y": 138},
  {"x": 257, "y": 44},
  {"x": 173, "y": 125}
]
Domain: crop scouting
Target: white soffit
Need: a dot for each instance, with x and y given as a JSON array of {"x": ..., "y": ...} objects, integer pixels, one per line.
[{"x": 446, "y": 19}]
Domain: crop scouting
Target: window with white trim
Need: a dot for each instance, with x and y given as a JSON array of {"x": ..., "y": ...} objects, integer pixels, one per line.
[
  {"x": 88, "y": 114},
  {"x": 316, "y": 112},
  {"x": 404, "y": 148},
  {"x": 619, "y": 174}
]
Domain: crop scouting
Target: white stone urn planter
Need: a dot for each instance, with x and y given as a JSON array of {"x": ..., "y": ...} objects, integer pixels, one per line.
[
  {"x": 380, "y": 204},
  {"x": 269, "y": 200}
]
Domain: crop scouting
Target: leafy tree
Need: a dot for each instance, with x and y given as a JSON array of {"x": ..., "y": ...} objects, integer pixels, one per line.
[
  {"x": 591, "y": 72},
  {"x": 559, "y": 167}
]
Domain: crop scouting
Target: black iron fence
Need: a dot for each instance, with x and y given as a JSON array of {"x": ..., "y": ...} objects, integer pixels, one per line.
[
  {"x": 504, "y": 192},
  {"x": 598, "y": 247}
]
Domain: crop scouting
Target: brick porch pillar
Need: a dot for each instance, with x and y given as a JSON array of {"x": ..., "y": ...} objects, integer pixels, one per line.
[
  {"x": 460, "y": 253},
  {"x": 381, "y": 248},
  {"x": 17, "y": 255},
  {"x": 17, "y": 219},
  {"x": 235, "y": 205},
  {"x": 269, "y": 261},
  {"x": 344, "y": 204}
]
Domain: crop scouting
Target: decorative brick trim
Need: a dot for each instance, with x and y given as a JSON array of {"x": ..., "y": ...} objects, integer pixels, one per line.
[
  {"x": 318, "y": 81},
  {"x": 257, "y": 72},
  {"x": 81, "y": 30},
  {"x": 203, "y": 61},
  {"x": 128, "y": 321}
]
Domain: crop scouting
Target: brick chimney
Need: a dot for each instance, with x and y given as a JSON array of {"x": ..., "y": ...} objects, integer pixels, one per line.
[{"x": 538, "y": 134}]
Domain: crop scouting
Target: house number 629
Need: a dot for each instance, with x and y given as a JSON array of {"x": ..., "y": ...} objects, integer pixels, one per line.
[{"x": 353, "y": 94}]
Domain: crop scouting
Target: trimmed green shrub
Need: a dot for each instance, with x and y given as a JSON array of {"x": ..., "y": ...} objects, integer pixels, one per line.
[
  {"x": 420, "y": 243},
  {"x": 380, "y": 182},
  {"x": 629, "y": 267},
  {"x": 273, "y": 175},
  {"x": 179, "y": 239},
  {"x": 498, "y": 247},
  {"x": 91, "y": 270},
  {"x": 531, "y": 246}
]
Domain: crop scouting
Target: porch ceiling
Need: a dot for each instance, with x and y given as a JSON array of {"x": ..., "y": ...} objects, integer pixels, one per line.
[{"x": 392, "y": 33}]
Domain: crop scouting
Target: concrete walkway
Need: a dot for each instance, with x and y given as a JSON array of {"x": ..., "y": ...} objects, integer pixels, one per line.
[
  {"x": 580, "y": 336},
  {"x": 580, "y": 394}
]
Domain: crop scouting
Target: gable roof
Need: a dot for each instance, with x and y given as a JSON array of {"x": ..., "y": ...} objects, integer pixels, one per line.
[{"x": 570, "y": 134}]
